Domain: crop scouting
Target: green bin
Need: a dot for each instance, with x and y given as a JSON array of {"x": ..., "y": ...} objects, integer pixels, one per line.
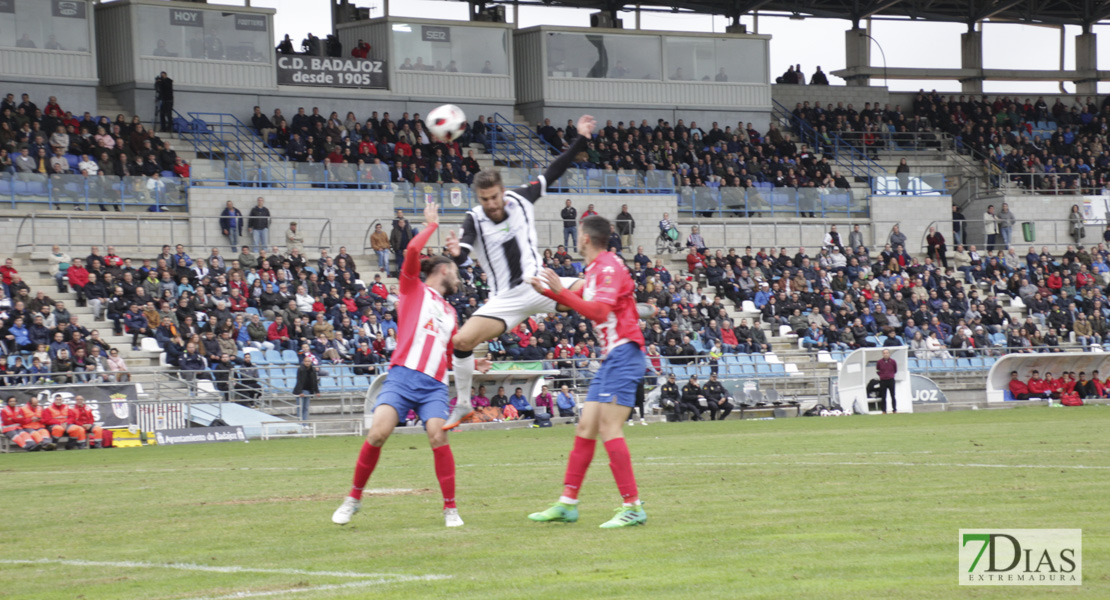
[{"x": 1029, "y": 231}]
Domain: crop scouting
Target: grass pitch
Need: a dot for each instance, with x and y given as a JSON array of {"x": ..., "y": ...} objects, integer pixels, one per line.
[{"x": 853, "y": 507}]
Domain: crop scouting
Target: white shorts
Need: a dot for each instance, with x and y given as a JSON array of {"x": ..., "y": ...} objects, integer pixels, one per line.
[{"x": 516, "y": 305}]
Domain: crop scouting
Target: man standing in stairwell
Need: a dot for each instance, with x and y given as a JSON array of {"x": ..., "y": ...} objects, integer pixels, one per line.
[
  {"x": 258, "y": 225},
  {"x": 163, "y": 91}
]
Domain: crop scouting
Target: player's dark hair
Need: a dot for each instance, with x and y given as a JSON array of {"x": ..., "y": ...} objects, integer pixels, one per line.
[
  {"x": 597, "y": 229},
  {"x": 429, "y": 265},
  {"x": 487, "y": 178}
]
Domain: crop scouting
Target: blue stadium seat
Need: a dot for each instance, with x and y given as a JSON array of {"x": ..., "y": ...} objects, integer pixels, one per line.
[
  {"x": 964, "y": 364},
  {"x": 289, "y": 357},
  {"x": 778, "y": 369},
  {"x": 764, "y": 370},
  {"x": 937, "y": 364},
  {"x": 253, "y": 311},
  {"x": 914, "y": 364},
  {"x": 273, "y": 357},
  {"x": 749, "y": 369}
]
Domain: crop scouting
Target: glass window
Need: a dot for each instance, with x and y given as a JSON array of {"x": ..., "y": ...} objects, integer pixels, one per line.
[
  {"x": 603, "y": 56},
  {"x": 721, "y": 60},
  {"x": 45, "y": 25},
  {"x": 451, "y": 49},
  {"x": 204, "y": 34}
]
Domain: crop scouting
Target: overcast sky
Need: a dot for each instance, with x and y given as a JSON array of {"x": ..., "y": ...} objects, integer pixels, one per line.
[{"x": 810, "y": 42}]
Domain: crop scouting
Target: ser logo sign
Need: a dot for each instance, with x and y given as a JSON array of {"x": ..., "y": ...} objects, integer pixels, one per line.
[{"x": 1021, "y": 557}]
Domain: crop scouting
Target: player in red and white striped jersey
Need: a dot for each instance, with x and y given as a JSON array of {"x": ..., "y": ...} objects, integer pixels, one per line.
[{"x": 417, "y": 378}]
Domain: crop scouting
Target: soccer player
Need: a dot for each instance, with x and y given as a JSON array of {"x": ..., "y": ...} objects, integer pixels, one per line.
[
  {"x": 501, "y": 233},
  {"x": 11, "y": 421},
  {"x": 606, "y": 300},
  {"x": 417, "y": 378},
  {"x": 60, "y": 420}
]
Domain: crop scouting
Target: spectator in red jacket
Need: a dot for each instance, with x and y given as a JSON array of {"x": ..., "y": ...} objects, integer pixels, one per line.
[
  {"x": 361, "y": 50},
  {"x": 6, "y": 273},
  {"x": 78, "y": 279},
  {"x": 1018, "y": 389},
  {"x": 83, "y": 417},
  {"x": 278, "y": 334}
]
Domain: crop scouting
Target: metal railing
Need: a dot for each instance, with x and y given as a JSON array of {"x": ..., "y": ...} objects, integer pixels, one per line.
[
  {"x": 512, "y": 144},
  {"x": 846, "y": 155},
  {"x": 1051, "y": 184},
  {"x": 224, "y": 136},
  {"x": 927, "y": 184},
  {"x": 126, "y": 231},
  {"x": 84, "y": 192}
]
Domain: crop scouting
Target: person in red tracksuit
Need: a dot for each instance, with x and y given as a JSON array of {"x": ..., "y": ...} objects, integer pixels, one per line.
[
  {"x": 83, "y": 417},
  {"x": 1100, "y": 389},
  {"x": 1018, "y": 389},
  {"x": 1067, "y": 383},
  {"x": 1040, "y": 388},
  {"x": 59, "y": 419},
  {"x": 31, "y": 418},
  {"x": 11, "y": 424}
]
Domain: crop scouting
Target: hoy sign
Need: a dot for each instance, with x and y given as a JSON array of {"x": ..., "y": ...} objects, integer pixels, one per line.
[{"x": 186, "y": 18}]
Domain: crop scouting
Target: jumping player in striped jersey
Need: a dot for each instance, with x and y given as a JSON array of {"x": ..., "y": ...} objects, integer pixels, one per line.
[
  {"x": 501, "y": 233},
  {"x": 417, "y": 378},
  {"x": 608, "y": 301}
]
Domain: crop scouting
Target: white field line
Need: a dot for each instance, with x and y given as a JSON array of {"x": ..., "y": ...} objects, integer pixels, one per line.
[
  {"x": 366, "y": 579},
  {"x": 643, "y": 461},
  {"x": 315, "y": 588},
  {"x": 129, "y": 564}
]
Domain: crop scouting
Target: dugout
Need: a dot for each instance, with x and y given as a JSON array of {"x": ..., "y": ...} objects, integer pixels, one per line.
[
  {"x": 998, "y": 379},
  {"x": 858, "y": 368},
  {"x": 531, "y": 381}
]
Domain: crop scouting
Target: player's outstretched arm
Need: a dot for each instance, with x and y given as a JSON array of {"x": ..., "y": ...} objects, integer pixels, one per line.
[
  {"x": 411, "y": 268},
  {"x": 549, "y": 284},
  {"x": 534, "y": 191}
]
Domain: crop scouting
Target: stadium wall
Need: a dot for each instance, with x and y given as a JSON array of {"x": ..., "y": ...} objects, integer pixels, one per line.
[
  {"x": 351, "y": 214},
  {"x": 912, "y": 214},
  {"x": 1048, "y": 213},
  {"x": 788, "y": 95}
]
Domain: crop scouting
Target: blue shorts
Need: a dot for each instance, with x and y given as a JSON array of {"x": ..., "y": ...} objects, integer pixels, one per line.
[
  {"x": 405, "y": 390},
  {"x": 618, "y": 376}
]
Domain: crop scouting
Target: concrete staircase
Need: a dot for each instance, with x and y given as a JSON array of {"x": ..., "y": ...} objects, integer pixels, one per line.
[{"x": 108, "y": 105}]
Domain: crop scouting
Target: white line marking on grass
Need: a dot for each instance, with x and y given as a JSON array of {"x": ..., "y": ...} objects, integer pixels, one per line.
[
  {"x": 315, "y": 588},
  {"x": 868, "y": 464},
  {"x": 129, "y": 564}
]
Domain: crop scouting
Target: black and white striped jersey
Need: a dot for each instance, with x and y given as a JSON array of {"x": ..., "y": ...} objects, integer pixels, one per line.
[{"x": 509, "y": 250}]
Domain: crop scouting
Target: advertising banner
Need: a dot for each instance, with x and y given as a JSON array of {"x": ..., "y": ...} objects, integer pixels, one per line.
[
  {"x": 111, "y": 404},
  {"x": 199, "y": 435},
  {"x": 321, "y": 71}
]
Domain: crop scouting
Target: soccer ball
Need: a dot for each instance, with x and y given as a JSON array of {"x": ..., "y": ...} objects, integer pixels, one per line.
[{"x": 446, "y": 122}]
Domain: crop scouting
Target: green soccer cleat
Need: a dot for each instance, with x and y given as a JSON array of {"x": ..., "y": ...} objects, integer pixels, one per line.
[
  {"x": 558, "y": 513},
  {"x": 627, "y": 516}
]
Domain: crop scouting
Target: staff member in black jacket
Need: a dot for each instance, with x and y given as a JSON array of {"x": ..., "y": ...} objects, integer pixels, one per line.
[
  {"x": 258, "y": 225},
  {"x": 163, "y": 99},
  {"x": 231, "y": 225},
  {"x": 691, "y": 392},
  {"x": 717, "y": 397},
  {"x": 569, "y": 215},
  {"x": 308, "y": 382},
  {"x": 669, "y": 397}
]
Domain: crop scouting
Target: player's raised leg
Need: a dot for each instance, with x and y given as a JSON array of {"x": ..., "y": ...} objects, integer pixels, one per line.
[
  {"x": 385, "y": 420},
  {"x": 476, "y": 330},
  {"x": 445, "y": 470}
]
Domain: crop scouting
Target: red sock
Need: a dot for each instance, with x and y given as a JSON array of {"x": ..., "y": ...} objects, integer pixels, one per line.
[
  {"x": 367, "y": 460},
  {"x": 445, "y": 472},
  {"x": 577, "y": 464},
  {"x": 620, "y": 461}
]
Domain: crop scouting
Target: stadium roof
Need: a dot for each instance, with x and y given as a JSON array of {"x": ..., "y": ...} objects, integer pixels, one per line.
[{"x": 1056, "y": 12}]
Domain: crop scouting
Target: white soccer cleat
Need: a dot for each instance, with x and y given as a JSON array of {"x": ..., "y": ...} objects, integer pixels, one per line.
[
  {"x": 643, "y": 422},
  {"x": 461, "y": 411},
  {"x": 343, "y": 514},
  {"x": 452, "y": 518}
]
